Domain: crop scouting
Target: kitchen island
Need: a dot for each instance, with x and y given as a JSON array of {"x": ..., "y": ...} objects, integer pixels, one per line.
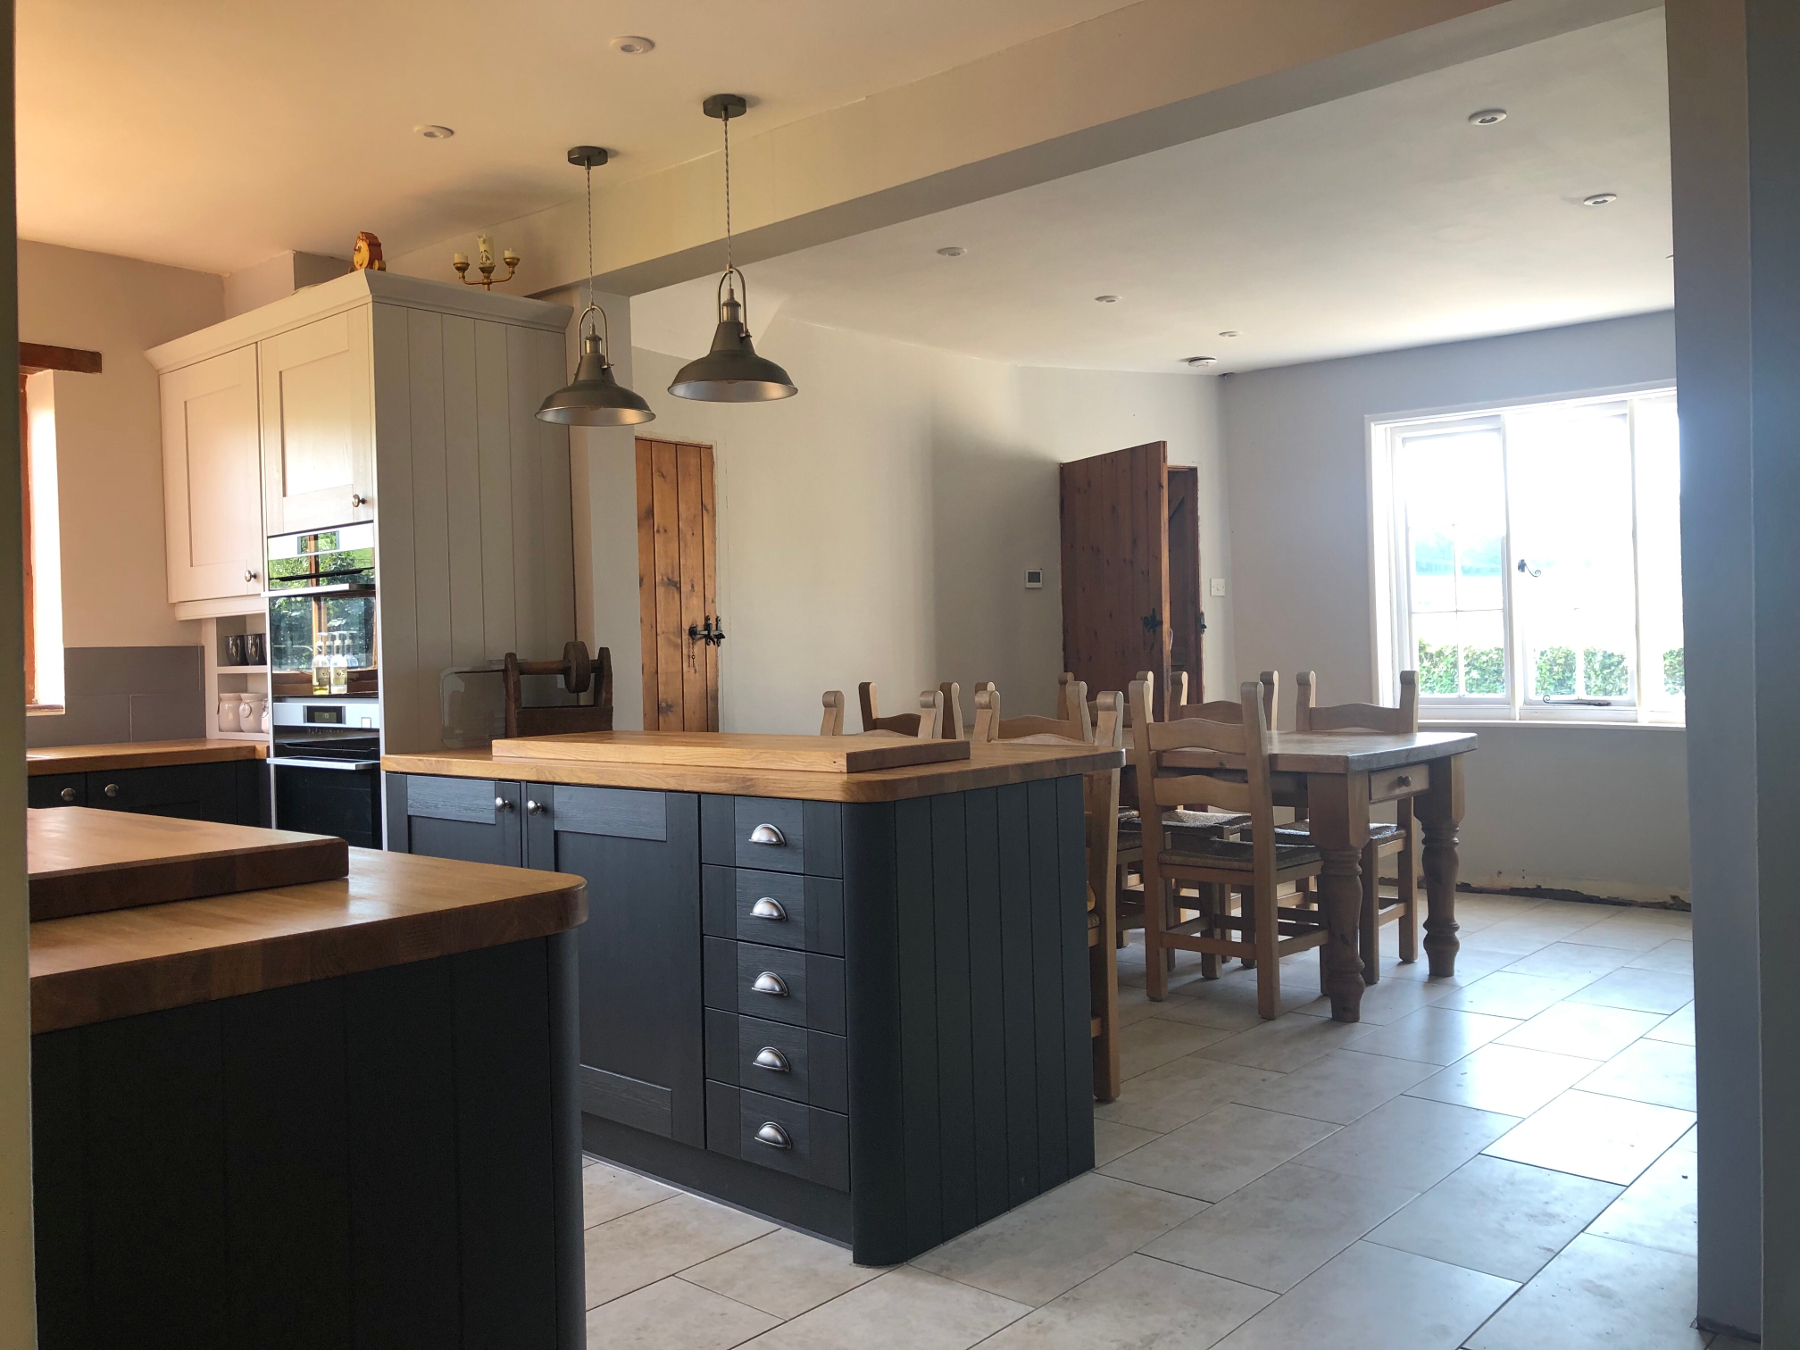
[
  {"x": 333, "y": 1113},
  {"x": 856, "y": 1002},
  {"x": 199, "y": 779}
]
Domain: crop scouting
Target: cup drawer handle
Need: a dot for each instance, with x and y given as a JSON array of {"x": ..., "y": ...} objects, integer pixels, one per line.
[
  {"x": 769, "y": 908},
  {"x": 768, "y": 834},
  {"x": 773, "y": 1135},
  {"x": 770, "y": 983},
  {"x": 773, "y": 1060}
]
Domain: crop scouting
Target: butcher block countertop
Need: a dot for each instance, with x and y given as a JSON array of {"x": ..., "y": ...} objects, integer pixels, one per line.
[
  {"x": 393, "y": 908},
  {"x": 137, "y": 755},
  {"x": 755, "y": 765}
]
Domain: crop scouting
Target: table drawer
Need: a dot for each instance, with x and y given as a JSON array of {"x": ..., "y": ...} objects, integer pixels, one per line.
[
  {"x": 777, "y": 908},
  {"x": 1388, "y": 785},
  {"x": 781, "y": 1060},
  {"x": 800, "y": 988},
  {"x": 773, "y": 834},
  {"x": 792, "y": 1137}
]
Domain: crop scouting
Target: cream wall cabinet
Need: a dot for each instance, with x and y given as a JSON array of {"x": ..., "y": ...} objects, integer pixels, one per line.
[
  {"x": 212, "y": 493},
  {"x": 318, "y": 424}
]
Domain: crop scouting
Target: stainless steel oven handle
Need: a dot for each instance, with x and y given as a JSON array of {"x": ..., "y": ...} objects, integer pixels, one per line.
[{"x": 300, "y": 762}]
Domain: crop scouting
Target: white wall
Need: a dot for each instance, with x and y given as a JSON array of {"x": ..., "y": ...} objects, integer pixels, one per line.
[
  {"x": 878, "y": 525},
  {"x": 109, "y": 432},
  {"x": 1601, "y": 810}
]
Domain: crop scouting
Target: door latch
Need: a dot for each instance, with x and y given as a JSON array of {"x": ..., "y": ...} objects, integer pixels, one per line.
[
  {"x": 712, "y": 634},
  {"x": 1152, "y": 622}
]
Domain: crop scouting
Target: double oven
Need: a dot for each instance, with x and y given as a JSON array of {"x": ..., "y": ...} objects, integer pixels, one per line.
[{"x": 324, "y": 685}]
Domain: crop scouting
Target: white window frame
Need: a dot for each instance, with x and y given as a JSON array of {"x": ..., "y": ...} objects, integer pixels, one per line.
[{"x": 1392, "y": 614}]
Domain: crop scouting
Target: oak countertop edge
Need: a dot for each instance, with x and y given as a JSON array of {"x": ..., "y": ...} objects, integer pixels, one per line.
[{"x": 58, "y": 759}]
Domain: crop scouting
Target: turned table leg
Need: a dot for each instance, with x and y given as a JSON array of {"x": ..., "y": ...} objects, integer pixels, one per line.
[
  {"x": 1440, "y": 812},
  {"x": 1338, "y": 819}
]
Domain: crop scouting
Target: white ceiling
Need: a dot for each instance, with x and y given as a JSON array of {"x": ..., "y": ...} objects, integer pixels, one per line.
[
  {"x": 212, "y": 134},
  {"x": 1381, "y": 221}
]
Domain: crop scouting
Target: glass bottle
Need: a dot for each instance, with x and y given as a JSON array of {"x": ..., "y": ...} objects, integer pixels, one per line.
[
  {"x": 340, "y": 664},
  {"x": 321, "y": 666}
]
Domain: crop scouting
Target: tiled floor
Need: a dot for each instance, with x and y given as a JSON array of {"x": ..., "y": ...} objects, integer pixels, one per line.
[{"x": 1503, "y": 1161}]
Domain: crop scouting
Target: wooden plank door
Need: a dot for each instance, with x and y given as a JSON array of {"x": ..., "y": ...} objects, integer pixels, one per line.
[
  {"x": 677, "y": 585},
  {"x": 1187, "y": 622},
  {"x": 1115, "y": 567}
]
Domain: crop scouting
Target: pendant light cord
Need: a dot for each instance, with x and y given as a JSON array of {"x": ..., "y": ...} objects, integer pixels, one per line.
[
  {"x": 727, "y": 121},
  {"x": 589, "y": 168}
]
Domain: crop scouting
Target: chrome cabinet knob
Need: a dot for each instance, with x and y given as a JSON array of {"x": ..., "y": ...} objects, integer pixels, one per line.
[
  {"x": 112, "y": 789},
  {"x": 767, "y": 834},
  {"x": 357, "y": 499},
  {"x": 773, "y": 1135},
  {"x": 770, "y": 983},
  {"x": 67, "y": 794},
  {"x": 501, "y": 804},
  {"x": 773, "y": 1060},
  {"x": 535, "y": 808},
  {"x": 251, "y": 574},
  {"x": 769, "y": 908}
]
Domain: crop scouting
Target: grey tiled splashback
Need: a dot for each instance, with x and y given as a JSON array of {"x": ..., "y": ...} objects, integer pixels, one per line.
[{"x": 113, "y": 694}]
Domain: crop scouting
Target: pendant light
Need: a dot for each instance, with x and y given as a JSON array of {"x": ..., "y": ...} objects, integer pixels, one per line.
[
  {"x": 731, "y": 372},
  {"x": 593, "y": 398}
]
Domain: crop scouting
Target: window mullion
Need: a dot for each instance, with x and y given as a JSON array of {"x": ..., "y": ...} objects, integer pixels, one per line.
[{"x": 1509, "y": 598}]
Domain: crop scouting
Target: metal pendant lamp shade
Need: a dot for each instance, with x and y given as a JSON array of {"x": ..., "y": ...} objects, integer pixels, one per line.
[
  {"x": 594, "y": 398},
  {"x": 731, "y": 372}
]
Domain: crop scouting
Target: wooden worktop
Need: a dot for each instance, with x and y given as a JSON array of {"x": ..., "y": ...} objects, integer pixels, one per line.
[
  {"x": 138, "y": 755},
  {"x": 1341, "y": 752},
  {"x": 988, "y": 765},
  {"x": 392, "y": 909}
]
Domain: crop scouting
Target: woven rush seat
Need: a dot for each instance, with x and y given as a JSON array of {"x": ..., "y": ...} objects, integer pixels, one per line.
[
  {"x": 1131, "y": 826},
  {"x": 1236, "y": 854},
  {"x": 1380, "y": 832}
]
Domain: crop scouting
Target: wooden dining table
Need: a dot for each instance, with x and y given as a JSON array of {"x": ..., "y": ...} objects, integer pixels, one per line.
[{"x": 1336, "y": 776}]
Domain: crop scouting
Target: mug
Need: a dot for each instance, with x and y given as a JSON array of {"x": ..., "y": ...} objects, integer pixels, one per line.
[
  {"x": 234, "y": 650},
  {"x": 265, "y": 715},
  {"x": 254, "y": 653},
  {"x": 250, "y": 711},
  {"x": 229, "y": 712}
]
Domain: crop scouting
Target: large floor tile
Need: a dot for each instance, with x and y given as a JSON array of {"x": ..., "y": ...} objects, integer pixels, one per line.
[
  {"x": 1051, "y": 1244},
  {"x": 1607, "y": 1138},
  {"x": 1135, "y": 1004},
  {"x": 1677, "y": 954},
  {"x": 1657, "y": 991},
  {"x": 1659, "y": 1208},
  {"x": 1627, "y": 934},
  {"x": 1112, "y": 1140},
  {"x": 607, "y": 1192},
  {"x": 1139, "y": 1303},
  {"x": 1507, "y": 993},
  {"x": 1581, "y": 1029},
  {"x": 1153, "y": 1040},
  {"x": 1184, "y": 1089},
  {"x": 1571, "y": 960},
  {"x": 1388, "y": 1001},
  {"x": 1648, "y": 1071},
  {"x": 1375, "y": 1298},
  {"x": 1504, "y": 1078},
  {"x": 904, "y": 1309},
  {"x": 1409, "y": 1142},
  {"x": 783, "y": 1273},
  {"x": 1496, "y": 1216},
  {"x": 1471, "y": 964},
  {"x": 1600, "y": 1293},
  {"x": 1677, "y": 1027},
  {"x": 1339, "y": 1087},
  {"x": 1230, "y": 1002},
  {"x": 673, "y": 1315},
  {"x": 1213, "y": 1156},
  {"x": 1433, "y": 1035},
  {"x": 1281, "y": 1227},
  {"x": 1285, "y": 1044},
  {"x": 643, "y": 1246}
]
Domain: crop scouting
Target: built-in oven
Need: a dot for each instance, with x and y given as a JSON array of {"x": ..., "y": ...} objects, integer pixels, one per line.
[
  {"x": 327, "y": 765},
  {"x": 322, "y": 613}
]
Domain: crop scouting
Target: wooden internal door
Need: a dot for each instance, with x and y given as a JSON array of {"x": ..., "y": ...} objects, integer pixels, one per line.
[
  {"x": 1116, "y": 569},
  {"x": 1187, "y": 620},
  {"x": 678, "y": 612}
]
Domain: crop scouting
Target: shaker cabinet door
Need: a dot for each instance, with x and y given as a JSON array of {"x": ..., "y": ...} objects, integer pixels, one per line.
[
  {"x": 212, "y": 478},
  {"x": 318, "y": 424}
]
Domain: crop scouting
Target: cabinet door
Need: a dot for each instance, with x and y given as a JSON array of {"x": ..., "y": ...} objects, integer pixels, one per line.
[
  {"x": 643, "y": 1041},
  {"x": 318, "y": 424},
  {"x": 212, "y": 478},
  {"x": 189, "y": 791},
  {"x": 469, "y": 819}
]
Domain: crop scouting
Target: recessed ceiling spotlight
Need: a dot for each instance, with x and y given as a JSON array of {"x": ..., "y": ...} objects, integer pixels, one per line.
[
  {"x": 633, "y": 46},
  {"x": 1229, "y": 332},
  {"x": 1107, "y": 299},
  {"x": 432, "y": 132},
  {"x": 1487, "y": 117},
  {"x": 952, "y": 251},
  {"x": 1600, "y": 199},
  {"x": 1200, "y": 360}
]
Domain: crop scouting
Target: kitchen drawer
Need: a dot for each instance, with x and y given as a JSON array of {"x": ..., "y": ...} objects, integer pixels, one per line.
[
  {"x": 189, "y": 791},
  {"x": 778, "y": 908},
  {"x": 809, "y": 988},
  {"x": 806, "y": 1066},
  {"x": 802, "y": 836},
  {"x": 56, "y": 789},
  {"x": 792, "y": 1137}
]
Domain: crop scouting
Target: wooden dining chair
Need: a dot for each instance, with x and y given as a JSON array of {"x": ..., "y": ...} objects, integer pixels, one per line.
[
  {"x": 1234, "y": 776},
  {"x": 926, "y": 724},
  {"x": 1100, "y": 800},
  {"x": 833, "y": 721},
  {"x": 954, "y": 728},
  {"x": 1074, "y": 725},
  {"x": 1401, "y": 839}
]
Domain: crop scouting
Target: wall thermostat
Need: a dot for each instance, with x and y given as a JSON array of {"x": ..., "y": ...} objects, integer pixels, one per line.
[{"x": 1034, "y": 578}]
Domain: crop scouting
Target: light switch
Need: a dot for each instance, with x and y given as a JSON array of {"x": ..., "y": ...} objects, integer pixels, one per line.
[{"x": 1218, "y": 585}]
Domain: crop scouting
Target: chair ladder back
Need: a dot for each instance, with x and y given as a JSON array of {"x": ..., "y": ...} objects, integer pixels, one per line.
[
  {"x": 952, "y": 729},
  {"x": 832, "y": 723},
  {"x": 926, "y": 724},
  {"x": 1309, "y": 716}
]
